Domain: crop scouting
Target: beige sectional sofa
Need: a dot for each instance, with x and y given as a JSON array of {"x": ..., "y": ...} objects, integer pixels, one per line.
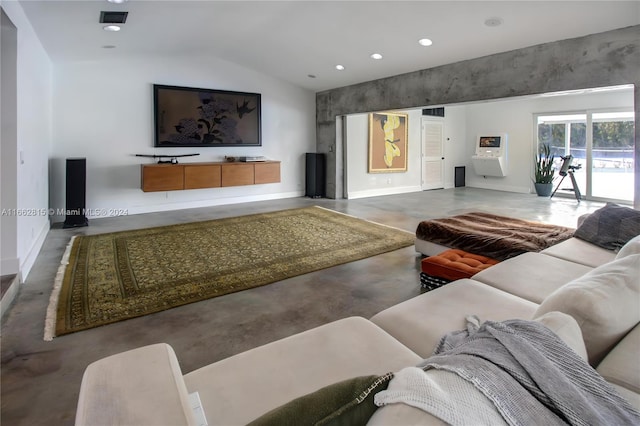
[{"x": 598, "y": 289}]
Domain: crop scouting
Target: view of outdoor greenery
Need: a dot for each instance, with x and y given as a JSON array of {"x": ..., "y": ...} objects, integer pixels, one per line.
[{"x": 613, "y": 135}]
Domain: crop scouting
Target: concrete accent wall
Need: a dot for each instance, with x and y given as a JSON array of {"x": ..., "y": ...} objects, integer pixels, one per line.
[{"x": 597, "y": 60}]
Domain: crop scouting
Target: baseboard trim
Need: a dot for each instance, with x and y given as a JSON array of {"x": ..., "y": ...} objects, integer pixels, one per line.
[
  {"x": 31, "y": 257},
  {"x": 352, "y": 195}
]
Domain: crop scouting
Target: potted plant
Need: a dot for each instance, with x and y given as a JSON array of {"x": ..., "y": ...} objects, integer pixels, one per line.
[{"x": 544, "y": 171}]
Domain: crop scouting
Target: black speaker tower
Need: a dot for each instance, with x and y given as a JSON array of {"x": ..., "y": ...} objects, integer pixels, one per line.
[
  {"x": 459, "y": 176},
  {"x": 76, "y": 193},
  {"x": 315, "y": 164}
]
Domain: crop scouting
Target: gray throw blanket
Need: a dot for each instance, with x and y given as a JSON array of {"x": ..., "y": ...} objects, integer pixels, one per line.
[{"x": 530, "y": 375}]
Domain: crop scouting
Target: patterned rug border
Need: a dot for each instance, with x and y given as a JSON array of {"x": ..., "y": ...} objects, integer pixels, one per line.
[{"x": 55, "y": 324}]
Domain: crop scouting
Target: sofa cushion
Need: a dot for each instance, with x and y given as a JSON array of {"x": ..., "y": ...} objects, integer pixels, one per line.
[
  {"x": 420, "y": 322},
  {"x": 579, "y": 251},
  {"x": 567, "y": 329},
  {"x": 605, "y": 302},
  {"x": 632, "y": 247},
  {"x": 143, "y": 386},
  {"x": 532, "y": 276},
  {"x": 455, "y": 264},
  {"x": 245, "y": 386},
  {"x": 622, "y": 365},
  {"x": 610, "y": 227}
]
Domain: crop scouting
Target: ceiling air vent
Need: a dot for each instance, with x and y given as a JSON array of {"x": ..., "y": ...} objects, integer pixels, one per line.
[{"x": 113, "y": 17}]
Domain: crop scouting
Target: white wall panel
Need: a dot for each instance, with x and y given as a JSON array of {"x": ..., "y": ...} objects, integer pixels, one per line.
[{"x": 33, "y": 112}]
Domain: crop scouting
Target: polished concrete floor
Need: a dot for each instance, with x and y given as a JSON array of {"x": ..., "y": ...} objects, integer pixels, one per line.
[{"x": 41, "y": 380}]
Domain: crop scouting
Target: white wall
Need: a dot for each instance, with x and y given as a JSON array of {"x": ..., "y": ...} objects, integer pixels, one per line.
[
  {"x": 361, "y": 183},
  {"x": 34, "y": 94},
  {"x": 462, "y": 124},
  {"x": 455, "y": 140},
  {"x": 9, "y": 263},
  {"x": 104, "y": 111}
]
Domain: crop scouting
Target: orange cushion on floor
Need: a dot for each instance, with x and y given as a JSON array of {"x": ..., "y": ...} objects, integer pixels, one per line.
[{"x": 455, "y": 264}]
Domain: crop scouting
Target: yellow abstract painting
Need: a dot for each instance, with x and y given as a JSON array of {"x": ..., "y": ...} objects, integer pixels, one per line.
[{"x": 388, "y": 136}]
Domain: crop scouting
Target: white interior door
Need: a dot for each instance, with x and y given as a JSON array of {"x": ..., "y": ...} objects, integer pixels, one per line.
[{"x": 432, "y": 153}]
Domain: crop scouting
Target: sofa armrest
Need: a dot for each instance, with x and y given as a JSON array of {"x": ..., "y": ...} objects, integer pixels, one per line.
[
  {"x": 243, "y": 387},
  {"x": 143, "y": 386}
]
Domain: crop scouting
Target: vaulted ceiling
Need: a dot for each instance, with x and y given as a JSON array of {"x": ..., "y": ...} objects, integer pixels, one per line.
[{"x": 295, "y": 40}]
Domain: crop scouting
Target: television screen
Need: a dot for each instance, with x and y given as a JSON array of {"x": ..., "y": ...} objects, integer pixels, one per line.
[
  {"x": 186, "y": 116},
  {"x": 490, "y": 141}
]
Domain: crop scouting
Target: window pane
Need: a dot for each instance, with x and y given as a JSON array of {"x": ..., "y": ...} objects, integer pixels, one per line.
[
  {"x": 613, "y": 147},
  {"x": 578, "y": 149},
  {"x": 552, "y": 134}
]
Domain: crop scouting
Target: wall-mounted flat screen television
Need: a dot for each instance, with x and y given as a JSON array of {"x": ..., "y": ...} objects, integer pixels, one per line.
[
  {"x": 191, "y": 117},
  {"x": 489, "y": 141}
]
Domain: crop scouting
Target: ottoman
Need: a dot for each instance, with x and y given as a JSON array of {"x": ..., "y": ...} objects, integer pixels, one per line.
[{"x": 451, "y": 265}]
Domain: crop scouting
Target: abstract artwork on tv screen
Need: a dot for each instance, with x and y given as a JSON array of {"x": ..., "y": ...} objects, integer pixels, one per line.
[{"x": 191, "y": 117}]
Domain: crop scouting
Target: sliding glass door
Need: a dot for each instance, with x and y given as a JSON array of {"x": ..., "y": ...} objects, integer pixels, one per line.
[{"x": 602, "y": 146}]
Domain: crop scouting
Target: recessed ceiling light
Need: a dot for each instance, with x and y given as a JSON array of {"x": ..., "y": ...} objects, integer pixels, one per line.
[
  {"x": 376, "y": 56},
  {"x": 111, "y": 28},
  {"x": 425, "y": 42},
  {"x": 340, "y": 67},
  {"x": 311, "y": 76},
  {"x": 117, "y": 1},
  {"x": 493, "y": 22},
  {"x": 108, "y": 46}
]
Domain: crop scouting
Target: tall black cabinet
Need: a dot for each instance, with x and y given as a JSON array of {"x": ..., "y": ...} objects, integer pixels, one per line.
[
  {"x": 315, "y": 176},
  {"x": 75, "y": 203}
]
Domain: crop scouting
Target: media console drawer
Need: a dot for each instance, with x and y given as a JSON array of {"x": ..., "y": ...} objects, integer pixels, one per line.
[
  {"x": 201, "y": 176},
  {"x": 267, "y": 172},
  {"x": 162, "y": 177},
  {"x": 172, "y": 177},
  {"x": 236, "y": 174}
]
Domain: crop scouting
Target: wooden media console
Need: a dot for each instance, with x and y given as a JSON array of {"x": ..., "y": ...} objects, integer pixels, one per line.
[{"x": 174, "y": 177}]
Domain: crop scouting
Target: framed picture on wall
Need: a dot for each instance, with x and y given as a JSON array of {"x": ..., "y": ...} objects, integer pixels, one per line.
[
  {"x": 388, "y": 136},
  {"x": 186, "y": 116}
]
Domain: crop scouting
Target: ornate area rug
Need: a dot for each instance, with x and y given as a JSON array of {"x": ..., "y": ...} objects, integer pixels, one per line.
[{"x": 112, "y": 277}]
